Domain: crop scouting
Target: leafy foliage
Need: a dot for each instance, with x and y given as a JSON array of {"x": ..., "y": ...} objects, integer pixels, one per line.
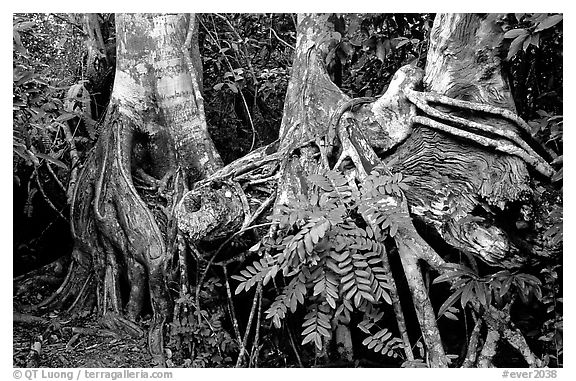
[
  {"x": 535, "y": 26},
  {"x": 370, "y": 48},
  {"x": 197, "y": 335},
  {"x": 47, "y": 51},
  {"x": 330, "y": 253},
  {"x": 317, "y": 325},
  {"x": 329, "y": 248},
  {"x": 383, "y": 342},
  {"x": 535, "y": 62},
  {"x": 550, "y": 336},
  {"x": 501, "y": 287},
  {"x": 246, "y": 58}
]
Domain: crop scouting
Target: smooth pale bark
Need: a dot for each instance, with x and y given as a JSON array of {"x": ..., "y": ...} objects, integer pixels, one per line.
[
  {"x": 311, "y": 100},
  {"x": 155, "y": 131},
  {"x": 156, "y": 84},
  {"x": 312, "y": 97}
]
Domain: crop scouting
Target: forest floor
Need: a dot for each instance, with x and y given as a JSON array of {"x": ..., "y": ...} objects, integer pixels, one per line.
[
  {"x": 70, "y": 341},
  {"x": 63, "y": 348}
]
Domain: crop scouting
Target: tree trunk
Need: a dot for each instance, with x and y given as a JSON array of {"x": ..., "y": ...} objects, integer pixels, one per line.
[
  {"x": 453, "y": 164},
  {"x": 450, "y": 131},
  {"x": 464, "y": 63},
  {"x": 153, "y": 144}
]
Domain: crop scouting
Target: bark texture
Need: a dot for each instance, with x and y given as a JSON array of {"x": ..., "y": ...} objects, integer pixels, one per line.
[
  {"x": 155, "y": 173},
  {"x": 452, "y": 176},
  {"x": 153, "y": 144}
]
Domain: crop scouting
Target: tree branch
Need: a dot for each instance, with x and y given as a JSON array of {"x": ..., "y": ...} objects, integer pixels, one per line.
[{"x": 281, "y": 40}]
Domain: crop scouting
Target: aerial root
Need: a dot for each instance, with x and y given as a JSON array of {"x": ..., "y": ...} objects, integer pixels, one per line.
[
  {"x": 511, "y": 144},
  {"x": 243, "y": 351},
  {"x": 118, "y": 323}
]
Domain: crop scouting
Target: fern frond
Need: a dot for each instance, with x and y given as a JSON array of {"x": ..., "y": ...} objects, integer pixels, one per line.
[
  {"x": 371, "y": 316},
  {"x": 357, "y": 283},
  {"x": 317, "y": 325},
  {"x": 325, "y": 283},
  {"x": 296, "y": 291},
  {"x": 263, "y": 269},
  {"x": 277, "y": 311},
  {"x": 383, "y": 342}
]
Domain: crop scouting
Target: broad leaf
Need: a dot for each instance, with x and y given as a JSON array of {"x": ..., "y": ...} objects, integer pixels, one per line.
[
  {"x": 516, "y": 45},
  {"x": 548, "y": 23}
]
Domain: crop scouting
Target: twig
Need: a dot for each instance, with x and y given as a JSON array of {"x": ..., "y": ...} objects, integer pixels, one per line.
[
  {"x": 224, "y": 244},
  {"x": 293, "y": 345},
  {"x": 255, "y": 348},
  {"x": 33, "y": 358},
  {"x": 261, "y": 209},
  {"x": 93, "y": 346},
  {"x": 50, "y": 204},
  {"x": 294, "y": 20},
  {"x": 281, "y": 40},
  {"x": 56, "y": 179},
  {"x": 249, "y": 119},
  {"x": 249, "y": 325},
  {"x": 72, "y": 341},
  {"x": 231, "y": 307}
]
